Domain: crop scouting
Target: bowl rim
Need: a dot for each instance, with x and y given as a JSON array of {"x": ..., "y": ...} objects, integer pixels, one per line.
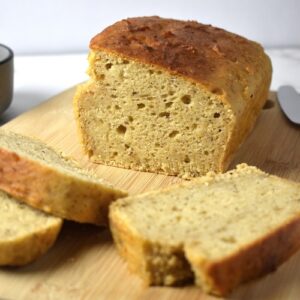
[{"x": 10, "y": 55}]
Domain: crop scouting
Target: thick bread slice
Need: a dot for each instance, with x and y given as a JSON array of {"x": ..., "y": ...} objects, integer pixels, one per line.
[
  {"x": 169, "y": 96},
  {"x": 25, "y": 233},
  {"x": 44, "y": 179},
  {"x": 220, "y": 229}
]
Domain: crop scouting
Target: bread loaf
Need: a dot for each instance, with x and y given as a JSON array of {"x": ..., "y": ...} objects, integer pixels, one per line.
[
  {"x": 168, "y": 96},
  {"x": 219, "y": 230},
  {"x": 25, "y": 233},
  {"x": 41, "y": 177}
]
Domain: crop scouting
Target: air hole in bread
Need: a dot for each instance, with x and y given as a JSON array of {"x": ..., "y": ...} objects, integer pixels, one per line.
[
  {"x": 121, "y": 129},
  {"x": 168, "y": 104},
  {"x": 178, "y": 218},
  {"x": 140, "y": 105},
  {"x": 186, "y": 99},
  {"x": 164, "y": 114},
  {"x": 108, "y": 66},
  {"x": 127, "y": 146},
  {"x": 187, "y": 159},
  {"x": 217, "y": 91},
  {"x": 130, "y": 118},
  {"x": 216, "y": 115},
  {"x": 173, "y": 133}
]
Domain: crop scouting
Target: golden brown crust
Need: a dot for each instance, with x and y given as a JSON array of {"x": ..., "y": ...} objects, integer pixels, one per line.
[
  {"x": 18, "y": 252},
  {"x": 54, "y": 192},
  {"x": 255, "y": 260}
]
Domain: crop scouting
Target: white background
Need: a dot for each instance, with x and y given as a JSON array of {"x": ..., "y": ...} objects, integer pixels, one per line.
[{"x": 64, "y": 26}]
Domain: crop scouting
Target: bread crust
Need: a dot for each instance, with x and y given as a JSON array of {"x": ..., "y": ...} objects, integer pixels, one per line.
[
  {"x": 235, "y": 69},
  {"x": 55, "y": 192},
  {"x": 255, "y": 260},
  {"x": 21, "y": 251}
]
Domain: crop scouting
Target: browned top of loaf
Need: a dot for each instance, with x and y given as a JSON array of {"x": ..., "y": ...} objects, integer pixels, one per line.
[{"x": 206, "y": 54}]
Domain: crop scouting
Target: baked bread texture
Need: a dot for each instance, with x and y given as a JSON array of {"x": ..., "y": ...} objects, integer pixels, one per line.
[
  {"x": 220, "y": 230},
  {"x": 25, "y": 233},
  {"x": 41, "y": 177},
  {"x": 169, "y": 96}
]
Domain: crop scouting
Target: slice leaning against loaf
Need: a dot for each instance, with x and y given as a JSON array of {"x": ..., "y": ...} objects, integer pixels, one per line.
[
  {"x": 25, "y": 233},
  {"x": 38, "y": 175},
  {"x": 220, "y": 230}
]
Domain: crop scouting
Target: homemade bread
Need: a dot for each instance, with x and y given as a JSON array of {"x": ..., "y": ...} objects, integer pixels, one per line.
[
  {"x": 44, "y": 179},
  {"x": 220, "y": 230},
  {"x": 168, "y": 96},
  {"x": 25, "y": 233}
]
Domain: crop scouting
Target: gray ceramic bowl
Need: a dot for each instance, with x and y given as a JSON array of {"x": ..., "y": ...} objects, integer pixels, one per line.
[{"x": 6, "y": 77}]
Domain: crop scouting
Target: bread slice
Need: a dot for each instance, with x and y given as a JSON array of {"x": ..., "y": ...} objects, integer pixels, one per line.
[
  {"x": 25, "y": 233},
  {"x": 44, "y": 179},
  {"x": 220, "y": 230},
  {"x": 169, "y": 96}
]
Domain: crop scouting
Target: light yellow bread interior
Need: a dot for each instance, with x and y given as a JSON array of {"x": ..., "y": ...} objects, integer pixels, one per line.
[
  {"x": 25, "y": 233},
  {"x": 146, "y": 119},
  {"x": 220, "y": 230}
]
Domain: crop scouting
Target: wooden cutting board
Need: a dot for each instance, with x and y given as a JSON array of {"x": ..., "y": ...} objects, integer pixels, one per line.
[{"x": 83, "y": 264}]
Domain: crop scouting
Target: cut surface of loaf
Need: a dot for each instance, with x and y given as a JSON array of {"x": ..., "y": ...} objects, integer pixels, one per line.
[
  {"x": 43, "y": 178},
  {"x": 25, "y": 233},
  {"x": 220, "y": 230},
  {"x": 168, "y": 96}
]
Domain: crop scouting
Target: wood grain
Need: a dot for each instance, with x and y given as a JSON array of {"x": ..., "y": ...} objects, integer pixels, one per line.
[{"x": 83, "y": 264}]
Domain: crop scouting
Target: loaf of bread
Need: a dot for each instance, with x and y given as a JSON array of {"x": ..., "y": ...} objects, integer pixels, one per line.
[
  {"x": 220, "y": 229},
  {"x": 168, "y": 96},
  {"x": 25, "y": 233},
  {"x": 38, "y": 175}
]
